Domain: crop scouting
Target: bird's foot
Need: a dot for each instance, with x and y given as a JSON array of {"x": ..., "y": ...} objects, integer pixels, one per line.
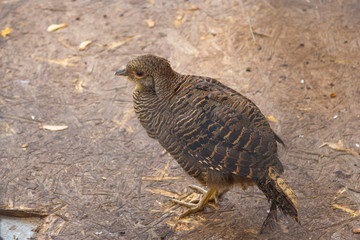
[
  {"x": 211, "y": 194},
  {"x": 214, "y": 197}
]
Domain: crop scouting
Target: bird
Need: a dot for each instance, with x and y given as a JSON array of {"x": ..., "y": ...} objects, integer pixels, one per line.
[{"x": 217, "y": 135}]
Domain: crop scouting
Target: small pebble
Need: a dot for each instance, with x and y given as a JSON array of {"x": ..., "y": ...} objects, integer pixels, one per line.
[
  {"x": 335, "y": 117},
  {"x": 302, "y": 81},
  {"x": 25, "y": 82},
  {"x": 301, "y": 136},
  {"x": 357, "y": 145}
]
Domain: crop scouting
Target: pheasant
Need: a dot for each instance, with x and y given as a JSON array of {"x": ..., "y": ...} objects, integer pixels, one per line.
[{"x": 217, "y": 135}]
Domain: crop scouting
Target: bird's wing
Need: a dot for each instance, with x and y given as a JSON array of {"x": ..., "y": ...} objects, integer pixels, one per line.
[
  {"x": 221, "y": 131},
  {"x": 260, "y": 123}
]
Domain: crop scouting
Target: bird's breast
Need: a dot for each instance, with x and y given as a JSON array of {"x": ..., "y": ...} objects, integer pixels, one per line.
[{"x": 149, "y": 110}]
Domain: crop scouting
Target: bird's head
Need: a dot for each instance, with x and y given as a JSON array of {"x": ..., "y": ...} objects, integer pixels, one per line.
[{"x": 150, "y": 72}]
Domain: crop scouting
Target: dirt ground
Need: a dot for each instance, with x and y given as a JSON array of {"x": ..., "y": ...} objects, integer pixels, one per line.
[{"x": 104, "y": 178}]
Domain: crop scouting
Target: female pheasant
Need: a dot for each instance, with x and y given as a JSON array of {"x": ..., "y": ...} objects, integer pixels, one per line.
[{"x": 217, "y": 135}]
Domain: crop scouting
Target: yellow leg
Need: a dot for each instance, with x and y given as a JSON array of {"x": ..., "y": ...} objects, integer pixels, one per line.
[
  {"x": 200, "y": 205},
  {"x": 213, "y": 197}
]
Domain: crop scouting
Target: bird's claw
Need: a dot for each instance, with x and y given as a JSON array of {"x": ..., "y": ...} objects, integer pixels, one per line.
[{"x": 211, "y": 194}]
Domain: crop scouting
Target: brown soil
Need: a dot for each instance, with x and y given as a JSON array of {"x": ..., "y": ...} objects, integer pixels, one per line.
[{"x": 103, "y": 178}]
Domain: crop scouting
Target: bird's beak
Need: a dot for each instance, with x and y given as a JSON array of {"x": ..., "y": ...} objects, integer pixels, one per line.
[{"x": 121, "y": 72}]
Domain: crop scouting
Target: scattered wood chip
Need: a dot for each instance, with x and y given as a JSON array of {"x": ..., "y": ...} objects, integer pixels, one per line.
[
  {"x": 84, "y": 44},
  {"x": 261, "y": 35},
  {"x": 183, "y": 14},
  {"x": 339, "y": 146},
  {"x": 160, "y": 178},
  {"x": 113, "y": 45},
  {"x": 53, "y": 127},
  {"x": 332, "y": 95},
  {"x": 207, "y": 36},
  {"x": 346, "y": 209},
  {"x": 163, "y": 192},
  {"x": 356, "y": 230},
  {"x": 79, "y": 85},
  {"x": 25, "y": 145},
  {"x": 305, "y": 109},
  {"x": 21, "y": 211},
  {"x": 192, "y": 8},
  {"x": 54, "y": 27},
  {"x": 271, "y": 118},
  {"x": 5, "y": 32},
  {"x": 71, "y": 61},
  {"x": 150, "y": 23},
  {"x": 178, "y": 21},
  {"x": 252, "y": 230}
]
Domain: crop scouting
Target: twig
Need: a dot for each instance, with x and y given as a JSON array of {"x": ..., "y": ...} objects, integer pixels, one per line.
[
  {"x": 156, "y": 223},
  {"x": 249, "y": 21},
  {"x": 354, "y": 190},
  {"x": 139, "y": 189},
  {"x": 338, "y": 223}
]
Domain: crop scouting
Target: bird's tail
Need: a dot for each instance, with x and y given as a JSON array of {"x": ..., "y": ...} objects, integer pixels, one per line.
[{"x": 278, "y": 192}]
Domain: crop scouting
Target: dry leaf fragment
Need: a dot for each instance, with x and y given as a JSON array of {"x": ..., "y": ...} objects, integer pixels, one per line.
[
  {"x": 339, "y": 146},
  {"x": 5, "y": 32},
  {"x": 332, "y": 95},
  {"x": 54, "y": 27},
  {"x": 79, "y": 85},
  {"x": 84, "y": 44},
  {"x": 271, "y": 118},
  {"x": 53, "y": 127},
  {"x": 356, "y": 230},
  {"x": 150, "y": 23}
]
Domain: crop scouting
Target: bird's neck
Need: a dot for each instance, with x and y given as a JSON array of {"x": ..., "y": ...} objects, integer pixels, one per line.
[{"x": 164, "y": 86}]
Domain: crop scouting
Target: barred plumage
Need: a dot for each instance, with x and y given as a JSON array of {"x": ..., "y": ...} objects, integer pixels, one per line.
[{"x": 217, "y": 135}]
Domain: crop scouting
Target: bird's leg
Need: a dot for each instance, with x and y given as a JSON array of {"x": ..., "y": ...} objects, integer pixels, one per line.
[
  {"x": 213, "y": 197},
  {"x": 200, "y": 205},
  {"x": 270, "y": 219}
]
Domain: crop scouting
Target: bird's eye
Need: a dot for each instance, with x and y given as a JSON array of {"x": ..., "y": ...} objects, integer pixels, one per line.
[{"x": 139, "y": 74}]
